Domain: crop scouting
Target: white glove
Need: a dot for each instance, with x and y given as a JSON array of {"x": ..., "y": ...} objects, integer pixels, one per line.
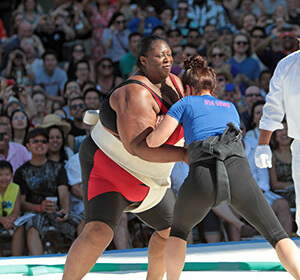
[{"x": 263, "y": 156}]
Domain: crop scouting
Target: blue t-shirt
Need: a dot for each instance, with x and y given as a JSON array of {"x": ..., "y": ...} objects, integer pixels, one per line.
[{"x": 203, "y": 116}]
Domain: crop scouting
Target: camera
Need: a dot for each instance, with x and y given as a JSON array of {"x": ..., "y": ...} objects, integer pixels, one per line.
[{"x": 18, "y": 88}]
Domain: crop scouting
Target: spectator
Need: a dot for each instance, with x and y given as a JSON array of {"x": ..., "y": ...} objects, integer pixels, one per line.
[
  {"x": 82, "y": 70},
  {"x": 174, "y": 37},
  {"x": 182, "y": 21},
  {"x": 210, "y": 35},
  {"x": 39, "y": 179},
  {"x": 264, "y": 82},
  {"x": 127, "y": 63},
  {"x": 281, "y": 171},
  {"x": 19, "y": 126},
  {"x": 160, "y": 32},
  {"x": 194, "y": 37},
  {"x": 79, "y": 129},
  {"x": 16, "y": 154},
  {"x": 226, "y": 35},
  {"x": 248, "y": 22},
  {"x": 99, "y": 16},
  {"x": 16, "y": 18},
  {"x": 53, "y": 77},
  {"x": 92, "y": 98},
  {"x": 10, "y": 198},
  {"x": 293, "y": 12},
  {"x": 242, "y": 59},
  {"x": 165, "y": 15},
  {"x": 54, "y": 32},
  {"x": 40, "y": 101},
  {"x": 177, "y": 60},
  {"x": 17, "y": 67},
  {"x": 106, "y": 78},
  {"x": 115, "y": 39},
  {"x": 78, "y": 52},
  {"x": 209, "y": 13},
  {"x": 71, "y": 90},
  {"x": 252, "y": 95},
  {"x": 143, "y": 22},
  {"x": 12, "y": 104}
]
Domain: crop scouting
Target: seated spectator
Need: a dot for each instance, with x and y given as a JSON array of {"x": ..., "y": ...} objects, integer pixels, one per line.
[
  {"x": 127, "y": 63},
  {"x": 53, "y": 77},
  {"x": 79, "y": 130},
  {"x": 115, "y": 39},
  {"x": 16, "y": 154},
  {"x": 293, "y": 11},
  {"x": 12, "y": 104},
  {"x": 78, "y": 52},
  {"x": 194, "y": 37},
  {"x": 174, "y": 37},
  {"x": 57, "y": 132},
  {"x": 39, "y": 99},
  {"x": 210, "y": 35},
  {"x": 10, "y": 202},
  {"x": 226, "y": 35},
  {"x": 160, "y": 32},
  {"x": 264, "y": 82},
  {"x": 106, "y": 78},
  {"x": 39, "y": 179},
  {"x": 165, "y": 15},
  {"x": 71, "y": 90},
  {"x": 82, "y": 70},
  {"x": 121, "y": 237},
  {"x": 242, "y": 59},
  {"x": 92, "y": 98},
  {"x": 20, "y": 124},
  {"x": 252, "y": 95},
  {"x": 281, "y": 180}
]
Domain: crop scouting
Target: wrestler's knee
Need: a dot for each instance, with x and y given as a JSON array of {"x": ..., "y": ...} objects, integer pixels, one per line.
[
  {"x": 180, "y": 233},
  {"x": 97, "y": 230}
]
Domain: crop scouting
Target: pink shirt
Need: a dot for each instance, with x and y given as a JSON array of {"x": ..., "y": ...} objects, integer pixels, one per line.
[{"x": 17, "y": 155}]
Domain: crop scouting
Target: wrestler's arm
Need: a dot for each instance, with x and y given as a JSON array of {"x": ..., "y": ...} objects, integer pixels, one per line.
[
  {"x": 136, "y": 117},
  {"x": 161, "y": 134}
]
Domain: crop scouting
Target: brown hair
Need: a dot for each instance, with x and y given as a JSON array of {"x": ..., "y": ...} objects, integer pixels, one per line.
[{"x": 198, "y": 75}]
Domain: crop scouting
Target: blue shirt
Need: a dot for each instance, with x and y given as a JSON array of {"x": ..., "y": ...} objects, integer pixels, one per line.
[
  {"x": 149, "y": 24},
  {"x": 203, "y": 116}
]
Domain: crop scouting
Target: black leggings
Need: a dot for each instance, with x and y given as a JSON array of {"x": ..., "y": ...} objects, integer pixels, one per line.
[{"x": 197, "y": 195}]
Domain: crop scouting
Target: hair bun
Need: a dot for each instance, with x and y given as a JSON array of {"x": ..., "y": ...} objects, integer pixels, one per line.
[{"x": 195, "y": 61}]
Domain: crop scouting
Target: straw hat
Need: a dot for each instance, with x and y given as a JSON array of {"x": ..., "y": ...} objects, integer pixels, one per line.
[{"x": 53, "y": 119}]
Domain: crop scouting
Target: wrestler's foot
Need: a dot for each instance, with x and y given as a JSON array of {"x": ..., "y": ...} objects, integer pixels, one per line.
[{"x": 248, "y": 231}]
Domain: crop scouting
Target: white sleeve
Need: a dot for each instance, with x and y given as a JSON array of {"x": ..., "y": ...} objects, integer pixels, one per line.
[{"x": 73, "y": 170}]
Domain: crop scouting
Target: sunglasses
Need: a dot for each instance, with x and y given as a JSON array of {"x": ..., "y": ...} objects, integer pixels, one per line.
[
  {"x": 217, "y": 54},
  {"x": 241, "y": 43},
  {"x": 108, "y": 66},
  {"x": 253, "y": 94},
  {"x": 75, "y": 106},
  {"x": 42, "y": 141},
  {"x": 120, "y": 21},
  {"x": 221, "y": 79},
  {"x": 4, "y": 204}
]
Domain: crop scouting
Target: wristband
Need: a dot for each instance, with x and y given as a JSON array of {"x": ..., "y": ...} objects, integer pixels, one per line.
[{"x": 39, "y": 208}]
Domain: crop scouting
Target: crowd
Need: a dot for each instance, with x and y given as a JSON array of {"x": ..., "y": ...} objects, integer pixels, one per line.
[{"x": 56, "y": 64}]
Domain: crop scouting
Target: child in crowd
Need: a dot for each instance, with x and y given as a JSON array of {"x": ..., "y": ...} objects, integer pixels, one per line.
[{"x": 10, "y": 199}]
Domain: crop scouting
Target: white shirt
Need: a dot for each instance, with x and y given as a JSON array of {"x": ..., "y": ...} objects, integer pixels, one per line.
[{"x": 284, "y": 97}]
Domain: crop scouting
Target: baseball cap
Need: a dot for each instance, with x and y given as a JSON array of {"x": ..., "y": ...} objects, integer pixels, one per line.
[{"x": 36, "y": 131}]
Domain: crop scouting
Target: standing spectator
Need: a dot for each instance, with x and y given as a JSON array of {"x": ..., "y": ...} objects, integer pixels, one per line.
[
  {"x": 127, "y": 63},
  {"x": 115, "y": 39},
  {"x": 10, "y": 202},
  {"x": 53, "y": 77},
  {"x": 183, "y": 21},
  {"x": 143, "y": 22},
  {"x": 99, "y": 16},
  {"x": 106, "y": 78},
  {"x": 38, "y": 179},
  {"x": 19, "y": 126},
  {"x": 16, "y": 154},
  {"x": 209, "y": 13}
]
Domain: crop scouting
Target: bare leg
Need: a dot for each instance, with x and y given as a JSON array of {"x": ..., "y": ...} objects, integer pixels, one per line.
[
  {"x": 34, "y": 242},
  {"x": 175, "y": 257},
  {"x": 121, "y": 238},
  {"x": 80, "y": 227},
  {"x": 86, "y": 249},
  {"x": 156, "y": 254},
  {"x": 18, "y": 242},
  {"x": 289, "y": 256},
  {"x": 281, "y": 208}
]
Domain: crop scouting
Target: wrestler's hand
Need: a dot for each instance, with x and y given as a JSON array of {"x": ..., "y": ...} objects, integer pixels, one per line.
[
  {"x": 263, "y": 156},
  {"x": 159, "y": 120}
]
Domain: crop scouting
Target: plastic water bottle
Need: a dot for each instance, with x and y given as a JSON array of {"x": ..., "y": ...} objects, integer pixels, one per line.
[{"x": 48, "y": 248}]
